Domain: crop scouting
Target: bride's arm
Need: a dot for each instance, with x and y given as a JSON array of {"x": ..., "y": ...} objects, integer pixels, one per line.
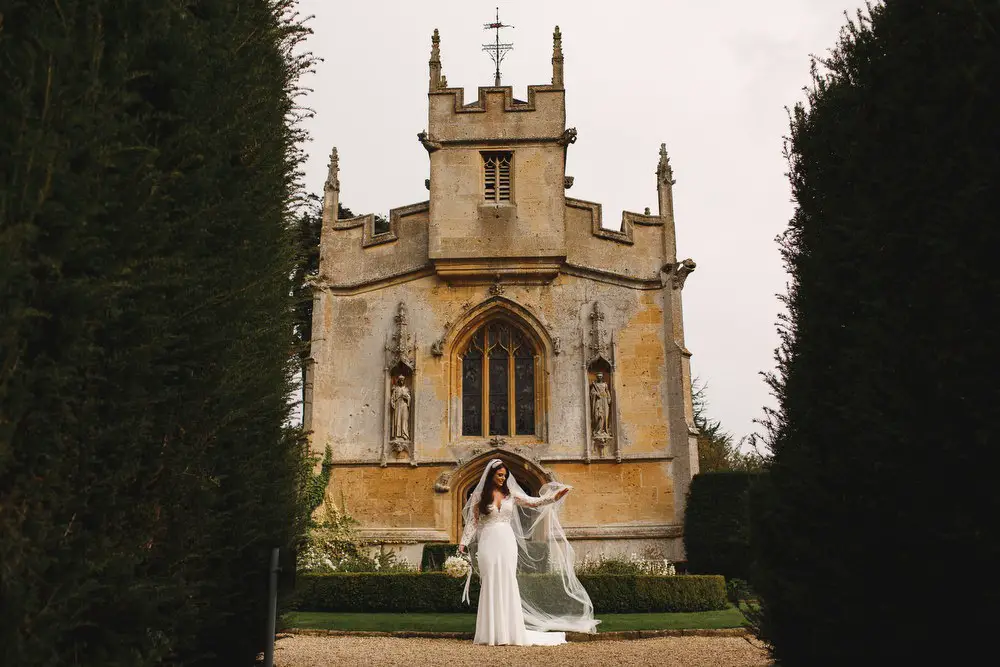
[
  {"x": 531, "y": 501},
  {"x": 470, "y": 530}
]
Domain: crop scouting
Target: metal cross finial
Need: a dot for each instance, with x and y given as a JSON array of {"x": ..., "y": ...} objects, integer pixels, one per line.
[{"x": 497, "y": 50}]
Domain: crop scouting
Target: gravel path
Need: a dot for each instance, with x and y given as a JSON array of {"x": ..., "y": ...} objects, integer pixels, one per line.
[{"x": 301, "y": 651}]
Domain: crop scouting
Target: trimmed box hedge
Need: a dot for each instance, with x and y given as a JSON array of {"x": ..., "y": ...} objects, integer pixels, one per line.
[{"x": 399, "y": 592}]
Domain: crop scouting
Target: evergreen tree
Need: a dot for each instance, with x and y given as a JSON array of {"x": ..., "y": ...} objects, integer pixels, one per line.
[
  {"x": 147, "y": 169},
  {"x": 715, "y": 446},
  {"x": 886, "y": 378},
  {"x": 716, "y": 449}
]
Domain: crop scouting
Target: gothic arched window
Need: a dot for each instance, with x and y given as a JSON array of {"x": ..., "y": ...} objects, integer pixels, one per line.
[{"x": 498, "y": 382}]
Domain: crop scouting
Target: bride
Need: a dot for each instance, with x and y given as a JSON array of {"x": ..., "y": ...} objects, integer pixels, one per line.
[{"x": 529, "y": 589}]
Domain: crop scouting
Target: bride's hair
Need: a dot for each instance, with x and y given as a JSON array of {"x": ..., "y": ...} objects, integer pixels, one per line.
[{"x": 487, "y": 498}]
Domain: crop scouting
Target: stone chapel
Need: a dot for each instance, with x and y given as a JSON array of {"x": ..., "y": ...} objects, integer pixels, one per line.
[{"x": 500, "y": 318}]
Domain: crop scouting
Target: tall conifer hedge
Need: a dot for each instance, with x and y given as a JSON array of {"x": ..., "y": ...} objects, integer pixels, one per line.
[
  {"x": 873, "y": 528},
  {"x": 147, "y": 169},
  {"x": 716, "y": 518}
]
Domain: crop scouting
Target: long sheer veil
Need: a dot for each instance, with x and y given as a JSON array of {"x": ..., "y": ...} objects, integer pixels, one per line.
[{"x": 552, "y": 598}]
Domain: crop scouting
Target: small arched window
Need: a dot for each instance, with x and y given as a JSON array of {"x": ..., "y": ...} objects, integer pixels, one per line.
[
  {"x": 496, "y": 176},
  {"x": 498, "y": 382}
]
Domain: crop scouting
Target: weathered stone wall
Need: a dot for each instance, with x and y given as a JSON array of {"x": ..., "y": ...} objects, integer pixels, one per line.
[
  {"x": 612, "y": 494},
  {"x": 397, "y": 497},
  {"x": 350, "y": 374},
  {"x": 613, "y": 507},
  {"x": 495, "y": 114},
  {"x": 634, "y": 252},
  {"x": 351, "y": 254},
  {"x": 531, "y": 224}
]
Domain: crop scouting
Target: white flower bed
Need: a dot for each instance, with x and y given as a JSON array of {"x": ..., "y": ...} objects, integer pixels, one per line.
[{"x": 622, "y": 564}]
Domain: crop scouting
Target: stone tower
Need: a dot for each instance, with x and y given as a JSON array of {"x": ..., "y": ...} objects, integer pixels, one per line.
[{"x": 501, "y": 318}]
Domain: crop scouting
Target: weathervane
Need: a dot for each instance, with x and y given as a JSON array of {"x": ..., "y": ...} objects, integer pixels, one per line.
[{"x": 497, "y": 50}]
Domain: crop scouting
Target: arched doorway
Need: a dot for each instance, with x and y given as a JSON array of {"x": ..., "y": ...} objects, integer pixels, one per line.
[{"x": 528, "y": 475}]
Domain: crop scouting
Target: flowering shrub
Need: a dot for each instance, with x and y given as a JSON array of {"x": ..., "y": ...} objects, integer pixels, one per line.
[
  {"x": 651, "y": 563},
  {"x": 456, "y": 566},
  {"x": 334, "y": 546}
]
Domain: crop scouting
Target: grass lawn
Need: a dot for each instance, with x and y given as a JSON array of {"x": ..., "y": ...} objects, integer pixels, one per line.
[{"x": 320, "y": 620}]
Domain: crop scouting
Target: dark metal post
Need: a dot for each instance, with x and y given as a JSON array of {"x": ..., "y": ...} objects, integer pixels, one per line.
[{"x": 272, "y": 609}]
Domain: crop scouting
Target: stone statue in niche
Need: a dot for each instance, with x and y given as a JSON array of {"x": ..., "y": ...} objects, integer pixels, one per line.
[
  {"x": 600, "y": 409},
  {"x": 399, "y": 405}
]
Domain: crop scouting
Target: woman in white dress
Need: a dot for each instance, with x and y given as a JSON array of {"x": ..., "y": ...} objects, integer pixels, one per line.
[{"x": 528, "y": 588}]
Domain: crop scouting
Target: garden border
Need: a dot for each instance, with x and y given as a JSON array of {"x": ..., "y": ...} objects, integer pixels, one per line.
[{"x": 570, "y": 636}]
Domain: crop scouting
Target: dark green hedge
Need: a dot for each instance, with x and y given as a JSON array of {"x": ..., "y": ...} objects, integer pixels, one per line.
[
  {"x": 885, "y": 435},
  {"x": 148, "y": 167},
  {"x": 437, "y": 592},
  {"x": 716, "y": 524}
]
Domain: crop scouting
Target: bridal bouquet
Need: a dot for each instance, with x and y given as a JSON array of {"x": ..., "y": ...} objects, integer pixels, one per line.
[{"x": 456, "y": 566}]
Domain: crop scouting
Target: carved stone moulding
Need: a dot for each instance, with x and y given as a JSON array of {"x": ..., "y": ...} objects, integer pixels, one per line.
[
  {"x": 519, "y": 456},
  {"x": 443, "y": 482},
  {"x": 647, "y": 531},
  {"x": 601, "y": 440},
  {"x": 400, "y": 348},
  {"x": 600, "y": 348},
  {"x": 400, "y": 446},
  {"x": 402, "y": 535},
  {"x": 513, "y": 270},
  {"x": 437, "y": 347}
]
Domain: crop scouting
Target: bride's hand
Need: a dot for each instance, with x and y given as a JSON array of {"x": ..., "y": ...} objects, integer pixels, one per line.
[
  {"x": 561, "y": 493},
  {"x": 461, "y": 548}
]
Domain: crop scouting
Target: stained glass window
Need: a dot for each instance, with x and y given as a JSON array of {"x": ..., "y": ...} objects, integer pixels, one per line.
[
  {"x": 472, "y": 391},
  {"x": 498, "y": 383},
  {"x": 524, "y": 393}
]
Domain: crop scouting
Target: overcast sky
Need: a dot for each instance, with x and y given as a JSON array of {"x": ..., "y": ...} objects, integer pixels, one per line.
[{"x": 710, "y": 78}]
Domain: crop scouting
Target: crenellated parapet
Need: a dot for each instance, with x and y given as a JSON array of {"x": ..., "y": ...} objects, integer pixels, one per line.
[
  {"x": 541, "y": 117},
  {"x": 354, "y": 255},
  {"x": 633, "y": 252},
  {"x": 505, "y": 97},
  {"x": 624, "y": 234}
]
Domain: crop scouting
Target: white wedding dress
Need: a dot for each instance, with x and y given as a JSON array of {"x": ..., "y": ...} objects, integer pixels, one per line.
[{"x": 500, "y": 618}]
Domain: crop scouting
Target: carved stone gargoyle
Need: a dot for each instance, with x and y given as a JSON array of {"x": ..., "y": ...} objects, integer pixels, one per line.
[
  {"x": 680, "y": 271},
  {"x": 428, "y": 141}
]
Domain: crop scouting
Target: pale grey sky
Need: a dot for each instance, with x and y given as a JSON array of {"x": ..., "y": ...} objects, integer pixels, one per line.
[{"x": 710, "y": 78}]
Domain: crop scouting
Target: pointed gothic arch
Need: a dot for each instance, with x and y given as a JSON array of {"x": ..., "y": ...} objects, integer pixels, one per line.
[
  {"x": 499, "y": 357},
  {"x": 463, "y": 481}
]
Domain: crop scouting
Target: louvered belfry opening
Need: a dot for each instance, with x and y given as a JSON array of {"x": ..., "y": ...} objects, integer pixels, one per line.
[{"x": 496, "y": 176}]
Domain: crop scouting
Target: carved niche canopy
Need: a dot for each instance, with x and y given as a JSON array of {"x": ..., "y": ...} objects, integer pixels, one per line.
[
  {"x": 401, "y": 348},
  {"x": 599, "y": 347},
  {"x": 664, "y": 173},
  {"x": 333, "y": 171}
]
